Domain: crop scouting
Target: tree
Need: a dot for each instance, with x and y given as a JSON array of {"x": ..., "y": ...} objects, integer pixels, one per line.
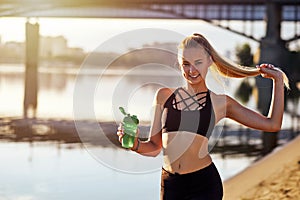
[
  {"x": 244, "y": 55},
  {"x": 245, "y": 58}
]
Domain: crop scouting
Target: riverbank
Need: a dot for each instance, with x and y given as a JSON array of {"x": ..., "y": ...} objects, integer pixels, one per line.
[
  {"x": 274, "y": 177},
  {"x": 91, "y": 132},
  {"x": 229, "y": 139}
]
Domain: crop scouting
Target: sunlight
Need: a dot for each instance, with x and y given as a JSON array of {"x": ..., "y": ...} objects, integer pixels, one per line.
[
  {"x": 89, "y": 33},
  {"x": 12, "y": 29}
]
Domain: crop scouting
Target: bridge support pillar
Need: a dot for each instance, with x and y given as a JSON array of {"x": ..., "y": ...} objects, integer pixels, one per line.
[
  {"x": 31, "y": 70},
  {"x": 272, "y": 50}
]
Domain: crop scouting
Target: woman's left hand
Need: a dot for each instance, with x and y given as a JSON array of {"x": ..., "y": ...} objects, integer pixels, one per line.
[{"x": 270, "y": 71}]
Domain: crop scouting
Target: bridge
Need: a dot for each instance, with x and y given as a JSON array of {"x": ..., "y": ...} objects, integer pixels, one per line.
[
  {"x": 212, "y": 11},
  {"x": 272, "y": 47}
]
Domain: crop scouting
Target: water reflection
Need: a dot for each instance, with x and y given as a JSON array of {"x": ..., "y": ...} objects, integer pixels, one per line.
[
  {"x": 57, "y": 86},
  {"x": 59, "y": 171},
  {"x": 67, "y": 171}
]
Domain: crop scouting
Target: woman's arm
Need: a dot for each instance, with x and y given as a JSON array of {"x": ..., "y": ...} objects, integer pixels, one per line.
[
  {"x": 152, "y": 147},
  {"x": 255, "y": 120}
]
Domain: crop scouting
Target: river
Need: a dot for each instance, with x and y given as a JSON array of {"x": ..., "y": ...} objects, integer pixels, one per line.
[{"x": 34, "y": 170}]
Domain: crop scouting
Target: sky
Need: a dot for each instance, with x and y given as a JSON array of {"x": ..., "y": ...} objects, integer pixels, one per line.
[{"x": 90, "y": 33}]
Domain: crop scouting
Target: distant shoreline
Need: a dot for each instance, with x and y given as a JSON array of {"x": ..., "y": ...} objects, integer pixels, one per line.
[{"x": 235, "y": 139}]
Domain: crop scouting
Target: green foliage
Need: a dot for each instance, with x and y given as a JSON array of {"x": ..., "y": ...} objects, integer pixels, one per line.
[
  {"x": 244, "y": 55},
  {"x": 245, "y": 58},
  {"x": 244, "y": 91}
]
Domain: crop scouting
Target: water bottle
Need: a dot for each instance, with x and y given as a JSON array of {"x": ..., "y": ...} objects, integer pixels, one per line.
[{"x": 130, "y": 125}]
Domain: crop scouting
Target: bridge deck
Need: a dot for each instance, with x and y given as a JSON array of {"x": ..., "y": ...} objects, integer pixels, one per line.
[{"x": 190, "y": 9}]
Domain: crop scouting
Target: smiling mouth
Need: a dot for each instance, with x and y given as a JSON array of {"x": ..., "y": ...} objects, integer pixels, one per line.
[{"x": 194, "y": 76}]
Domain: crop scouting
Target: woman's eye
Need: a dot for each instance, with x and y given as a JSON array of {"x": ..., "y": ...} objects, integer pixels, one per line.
[
  {"x": 185, "y": 64},
  {"x": 198, "y": 63}
]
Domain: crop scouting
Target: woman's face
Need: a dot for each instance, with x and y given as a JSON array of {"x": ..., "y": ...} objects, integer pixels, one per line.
[{"x": 194, "y": 63}]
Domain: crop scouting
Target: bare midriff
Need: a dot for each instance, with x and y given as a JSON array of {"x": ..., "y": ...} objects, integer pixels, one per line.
[{"x": 185, "y": 152}]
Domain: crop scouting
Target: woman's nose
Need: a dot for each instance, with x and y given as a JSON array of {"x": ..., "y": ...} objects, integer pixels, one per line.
[{"x": 192, "y": 69}]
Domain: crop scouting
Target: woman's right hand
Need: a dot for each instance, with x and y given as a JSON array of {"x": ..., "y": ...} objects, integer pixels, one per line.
[{"x": 120, "y": 133}]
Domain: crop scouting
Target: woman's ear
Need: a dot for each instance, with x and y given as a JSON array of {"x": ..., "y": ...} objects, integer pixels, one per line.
[{"x": 210, "y": 60}]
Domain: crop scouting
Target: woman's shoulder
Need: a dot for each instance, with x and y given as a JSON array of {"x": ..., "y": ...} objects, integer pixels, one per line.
[
  {"x": 217, "y": 97},
  {"x": 222, "y": 99},
  {"x": 219, "y": 102},
  {"x": 162, "y": 94}
]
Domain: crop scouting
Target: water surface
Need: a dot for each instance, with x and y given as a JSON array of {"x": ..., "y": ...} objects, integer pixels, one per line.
[{"x": 47, "y": 171}]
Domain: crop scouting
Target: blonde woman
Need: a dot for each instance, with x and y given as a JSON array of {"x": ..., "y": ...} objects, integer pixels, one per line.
[{"x": 184, "y": 118}]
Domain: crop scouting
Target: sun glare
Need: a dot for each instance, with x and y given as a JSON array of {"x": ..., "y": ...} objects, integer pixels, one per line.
[
  {"x": 89, "y": 33},
  {"x": 12, "y": 29},
  {"x": 80, "y": 32}
]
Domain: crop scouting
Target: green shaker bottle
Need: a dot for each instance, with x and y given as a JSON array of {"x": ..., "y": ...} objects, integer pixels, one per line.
[{"x": 130, "y": 124}]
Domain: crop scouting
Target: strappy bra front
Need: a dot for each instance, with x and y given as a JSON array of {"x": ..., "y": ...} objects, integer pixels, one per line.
[{"x": 185, "y": 112}]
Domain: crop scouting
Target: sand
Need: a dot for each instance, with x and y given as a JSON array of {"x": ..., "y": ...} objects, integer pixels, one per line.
[
  {"x": 275, "y": 177},
  {"x": 284, "y": 185}
]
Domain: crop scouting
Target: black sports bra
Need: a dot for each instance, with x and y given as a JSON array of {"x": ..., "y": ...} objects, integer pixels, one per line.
[{"x": 185, "y": 112}]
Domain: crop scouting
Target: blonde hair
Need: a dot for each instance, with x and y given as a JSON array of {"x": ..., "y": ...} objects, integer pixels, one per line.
[{"x": 224, "y": 66}]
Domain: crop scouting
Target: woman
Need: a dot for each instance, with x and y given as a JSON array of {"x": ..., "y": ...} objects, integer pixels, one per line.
[{"x": 184, "y": 118}]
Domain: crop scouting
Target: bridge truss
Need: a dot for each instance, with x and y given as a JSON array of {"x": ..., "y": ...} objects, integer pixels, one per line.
[{"x": 215, "y": 12}]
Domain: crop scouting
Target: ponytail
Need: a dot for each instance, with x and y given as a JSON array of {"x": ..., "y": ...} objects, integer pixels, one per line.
[{"x": 224, "y": 66}]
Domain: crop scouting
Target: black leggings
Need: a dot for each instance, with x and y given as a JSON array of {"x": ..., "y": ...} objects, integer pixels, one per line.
[{"x": 205, "y": 184}]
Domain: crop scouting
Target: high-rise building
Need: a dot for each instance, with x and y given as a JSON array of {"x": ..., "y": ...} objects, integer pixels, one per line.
[{"x": 53, "y": 46}]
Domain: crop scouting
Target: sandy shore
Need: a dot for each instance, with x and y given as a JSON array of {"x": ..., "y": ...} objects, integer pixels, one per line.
[
  {"x": 275, "y": 177},
  {"x": 284, "y": 185}
]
